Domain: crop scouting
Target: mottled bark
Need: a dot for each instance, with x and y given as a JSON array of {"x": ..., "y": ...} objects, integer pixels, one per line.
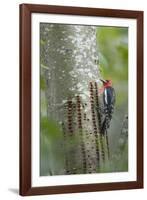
[{"x": 69, "y": 58}]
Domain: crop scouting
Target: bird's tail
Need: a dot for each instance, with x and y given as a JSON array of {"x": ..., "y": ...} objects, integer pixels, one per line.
[{"x": 105, "y": 125}]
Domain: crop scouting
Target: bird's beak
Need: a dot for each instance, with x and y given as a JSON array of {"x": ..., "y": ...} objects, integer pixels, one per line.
[{"x": 103, "y": 80}]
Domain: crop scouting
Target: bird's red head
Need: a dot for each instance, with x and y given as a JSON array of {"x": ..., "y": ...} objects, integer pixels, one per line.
[{"x": 106, "y": 83}]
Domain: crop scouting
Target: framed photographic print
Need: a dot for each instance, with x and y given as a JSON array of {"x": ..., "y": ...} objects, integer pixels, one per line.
[{"x": 81, "y": 99}]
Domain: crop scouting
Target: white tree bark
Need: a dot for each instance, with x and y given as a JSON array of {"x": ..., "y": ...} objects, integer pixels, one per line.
[{"x": 69, "y": 58}]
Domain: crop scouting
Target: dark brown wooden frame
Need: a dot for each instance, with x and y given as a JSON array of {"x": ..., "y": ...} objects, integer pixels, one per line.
[{"x": 25, "y": 99}]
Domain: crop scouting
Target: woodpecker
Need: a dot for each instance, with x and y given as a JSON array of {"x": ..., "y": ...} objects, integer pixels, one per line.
[{"x": 108, "y": 102}]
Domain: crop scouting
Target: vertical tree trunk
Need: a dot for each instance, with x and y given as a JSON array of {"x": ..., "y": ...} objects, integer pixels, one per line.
[{"x": 69, "y": 58}]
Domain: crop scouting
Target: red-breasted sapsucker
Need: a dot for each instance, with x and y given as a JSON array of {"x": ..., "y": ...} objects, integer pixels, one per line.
[{"x": 108, "y": 103}]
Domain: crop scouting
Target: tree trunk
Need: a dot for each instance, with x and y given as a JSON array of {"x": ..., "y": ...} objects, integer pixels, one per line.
[{"x": 69, "y": 58}]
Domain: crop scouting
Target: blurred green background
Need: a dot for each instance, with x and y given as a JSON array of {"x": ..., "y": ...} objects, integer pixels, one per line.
[{"x": 113, "y": 60}]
